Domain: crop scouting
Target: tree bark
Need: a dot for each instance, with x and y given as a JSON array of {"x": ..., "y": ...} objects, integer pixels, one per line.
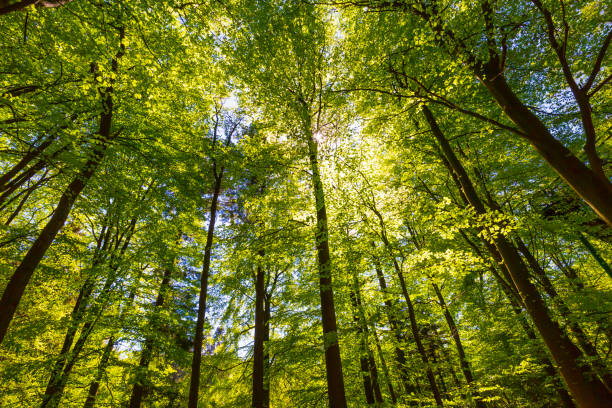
[
  {"x": 411, "y": 314},
  {"x": 258, "y": 398},
  {"x": 7, "y": 7},
  {"x": 333, "y": 363},
  {"x": 199, "y": 335},
  {"x": 19, "y": 280}
]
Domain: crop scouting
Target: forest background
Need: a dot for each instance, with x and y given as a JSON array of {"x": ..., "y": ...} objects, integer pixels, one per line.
[{"x": 275, "y": 203}]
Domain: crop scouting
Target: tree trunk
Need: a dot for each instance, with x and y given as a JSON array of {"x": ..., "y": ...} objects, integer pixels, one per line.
[
  {"x": 517, "y": 306},
  {"x": 258, "y": 399},
  {"x": 366, "y": 334},
  {"x": 588, "y": 391},
  {"x": 6, "y": 7},
  {"x": 199, "y": 335},
  {"x": 95, "y": 383},
  {"x": 333, "y": 363},
  {"x": 363, "y": 354},
  {"x": 602, "y": 262},
  {"x": 589, "y": 349},
  {"x": 411, "y": 315}
]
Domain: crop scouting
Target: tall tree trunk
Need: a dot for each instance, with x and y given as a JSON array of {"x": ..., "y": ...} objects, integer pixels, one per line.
[
  {"x": 602, "y": 262},
  {"x": 583, "y": 340},
  {"x": 366, "y": 334},
  {"x": 199, "y": 334},
  {"x": 94, "y": 386},
  {"x": 517, "y": 307},
  {"x": 67, "y": 360},
  {"x": 258, "y": 398},
  {"x": 588, "y": 391},
  {"x": 333, "y": 363},
  {"x": 266, "y": 353},
  {"x": 19, "y": 280}
]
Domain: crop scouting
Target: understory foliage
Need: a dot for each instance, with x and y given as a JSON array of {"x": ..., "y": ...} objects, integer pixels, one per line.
[{"x": 269, "y": 203}]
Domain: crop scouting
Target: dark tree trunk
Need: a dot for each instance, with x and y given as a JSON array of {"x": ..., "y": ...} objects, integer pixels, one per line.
[
  {"x": 66, "y": 359},
  {"x": 104, "y": 360},
  {"x": 517, "y": 306},
  {"x": 602, "y": 262},
  {"x": 6, "y": 7},
  {"x": 588, "y": 391},
  {"x": 411, "y": 314},
  {"x": 199, "y": 334},
  {"x": 27, "y": 158},
  {"x": 366, "y": 334},
  {"x": 363, "y": 353},
  {"x": 266, "y": 355},
  {"x": 584, "y": 342},
  {"x": 258, "y": 398},
  {"x": 333, "y": 363}
]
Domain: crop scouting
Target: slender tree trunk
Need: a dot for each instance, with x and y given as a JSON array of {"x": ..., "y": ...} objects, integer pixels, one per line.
[
  {"x": 194, "y": 385},
  {"x": 333, "y": 363},
  {"x": 59, "y": 378},
  {"x": 588, "y": 391},
  {"x": 27, "y": 158},
  {"x": 92, "y": 394},
  {"x": 258, "y": 398},
  {"x": 517, "y": 306},
  {"x": 266, "y": 353},
  {"x": 53, "y": 384},
  {"x": 366, "y": 334},
  {"x": 95, "y": 384},
  {"x": 602, "y": 262},
  {"x": 583, "y": 340}
]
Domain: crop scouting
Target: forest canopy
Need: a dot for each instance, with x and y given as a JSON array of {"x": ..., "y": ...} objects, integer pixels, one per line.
[{"x": 305, "y": 203}]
